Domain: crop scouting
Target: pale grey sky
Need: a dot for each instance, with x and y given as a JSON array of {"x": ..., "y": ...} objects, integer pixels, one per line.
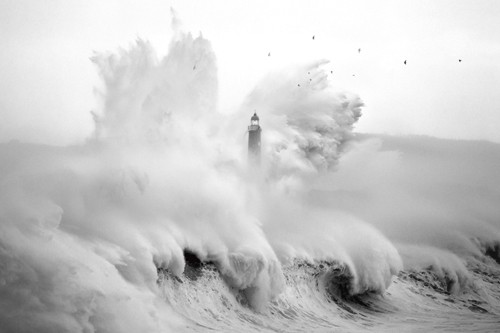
[{"x": 47, "y": 78}]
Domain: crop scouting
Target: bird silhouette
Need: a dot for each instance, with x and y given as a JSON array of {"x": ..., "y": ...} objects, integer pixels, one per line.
[
  {"x": 459, "y": 60},
  {"x": 313, "y": 37},
  {"x": 298, "y": 85},
  {"x": 405, "y": 62},
  {"x": 269, "y": 54},
  {"x": 331, "y": 72},
  {"x": 359, "y": 50}
]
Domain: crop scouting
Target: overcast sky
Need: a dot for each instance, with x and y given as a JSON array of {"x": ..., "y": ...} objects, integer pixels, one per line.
[{"x": 47, "y": 79}]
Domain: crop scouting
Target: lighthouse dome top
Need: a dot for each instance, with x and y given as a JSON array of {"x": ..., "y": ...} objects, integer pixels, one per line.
[{"x": 254, "y": 123}]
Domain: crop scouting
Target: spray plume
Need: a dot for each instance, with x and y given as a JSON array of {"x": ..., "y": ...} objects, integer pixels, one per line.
[{"x": 84, "y": 229}]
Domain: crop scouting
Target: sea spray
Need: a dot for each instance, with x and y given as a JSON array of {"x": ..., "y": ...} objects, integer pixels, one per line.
[{"x": 94, "y": 236}]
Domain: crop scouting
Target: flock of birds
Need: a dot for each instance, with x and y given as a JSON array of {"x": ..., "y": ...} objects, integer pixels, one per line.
[
  {"x": 359, "y": 51},
  {"x": 331, "y": 72}
]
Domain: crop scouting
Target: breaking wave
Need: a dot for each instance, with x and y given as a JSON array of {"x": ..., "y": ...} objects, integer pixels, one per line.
[{"x": 158, "y": 224}]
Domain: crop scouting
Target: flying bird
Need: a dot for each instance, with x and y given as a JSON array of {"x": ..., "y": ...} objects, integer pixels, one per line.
[
  {"x": 459, "y": 60},
  {"x": 405, "y": 62},
  {"x": 313, "y": 37},
  {"x": 298, "y": 85},
  {"x": 269, "y": 54},
  {"x": 359, "y": 50},
  {"x": 331, "y": 72}
]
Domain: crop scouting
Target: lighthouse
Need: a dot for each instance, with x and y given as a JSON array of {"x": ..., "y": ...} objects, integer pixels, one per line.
[{"x": 254, "y": 140}]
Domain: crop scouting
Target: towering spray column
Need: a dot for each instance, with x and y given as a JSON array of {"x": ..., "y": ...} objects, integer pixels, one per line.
[{"x": 254, "y": 140}]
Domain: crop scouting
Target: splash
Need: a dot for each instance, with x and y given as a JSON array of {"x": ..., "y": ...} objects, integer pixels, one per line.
[
  {"x": 85, "y": 230},
  {"x": 307, "y": 124}
]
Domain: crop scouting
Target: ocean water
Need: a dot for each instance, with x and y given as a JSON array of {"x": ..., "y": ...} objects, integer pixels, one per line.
[
  {"x": 157, "y": 223},
  {"x": 415, "y": 302}
]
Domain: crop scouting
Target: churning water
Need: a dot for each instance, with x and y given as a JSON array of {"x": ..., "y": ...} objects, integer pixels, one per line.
[{"x": 157, "y": 223}]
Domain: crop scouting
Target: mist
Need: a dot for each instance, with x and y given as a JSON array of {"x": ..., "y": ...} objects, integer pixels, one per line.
[{"x": 85, "y": 228}]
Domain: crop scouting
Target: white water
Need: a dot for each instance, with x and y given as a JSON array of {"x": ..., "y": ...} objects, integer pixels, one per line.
[{"x": 84, "y": 228}]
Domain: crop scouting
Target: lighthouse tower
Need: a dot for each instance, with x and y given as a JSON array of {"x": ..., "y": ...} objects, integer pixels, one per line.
[{"x": 254, "y": 140}]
